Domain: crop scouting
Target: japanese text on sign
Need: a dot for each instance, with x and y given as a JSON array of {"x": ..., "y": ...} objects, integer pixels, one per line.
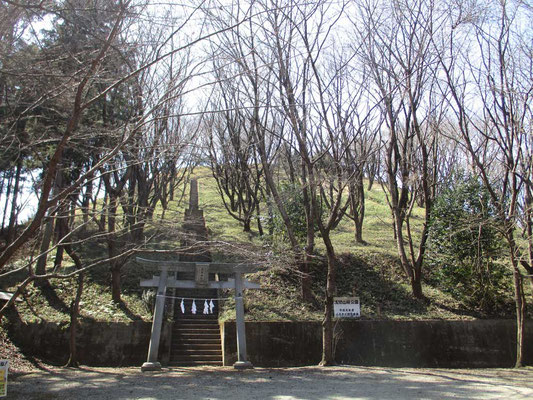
[
  {"x": 4, "y": 365},
  {"x": 346, "y": 307}
]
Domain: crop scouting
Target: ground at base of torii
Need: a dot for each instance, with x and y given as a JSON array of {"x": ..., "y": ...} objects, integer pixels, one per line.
[{"x": 340, "y": 382}]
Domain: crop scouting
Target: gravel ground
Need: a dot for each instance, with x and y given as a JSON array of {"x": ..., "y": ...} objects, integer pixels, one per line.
[{"x": 337, "y": 383}]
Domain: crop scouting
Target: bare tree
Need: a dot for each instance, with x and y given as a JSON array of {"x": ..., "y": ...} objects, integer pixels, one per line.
[
  {"x": 316, "y": 113},
  {"x": 253, "y": 60},
  {"x": 359, "y": 124},
  {"x": 233, "y": 156},
  {"x": 490, "y": 58},
  {"x": 85, "y": 91},
  {"x": 397, "y": 37}
]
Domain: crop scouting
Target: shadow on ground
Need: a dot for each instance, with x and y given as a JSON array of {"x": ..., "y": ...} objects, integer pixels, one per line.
[{"x": 292, "y": 383}]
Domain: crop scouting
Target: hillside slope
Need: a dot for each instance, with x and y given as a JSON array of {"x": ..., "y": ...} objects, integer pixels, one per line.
[{"x": 370, "y": 271}]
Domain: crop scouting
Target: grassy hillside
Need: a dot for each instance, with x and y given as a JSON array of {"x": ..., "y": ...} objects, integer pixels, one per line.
[{"x": 369, "y": 271}]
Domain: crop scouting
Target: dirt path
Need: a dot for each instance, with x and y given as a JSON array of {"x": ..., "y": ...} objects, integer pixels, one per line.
[{"x": 283, "y": 383}]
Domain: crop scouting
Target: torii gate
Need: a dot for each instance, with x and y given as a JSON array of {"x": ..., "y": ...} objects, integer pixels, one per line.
[{"x": 201, "y": 272}]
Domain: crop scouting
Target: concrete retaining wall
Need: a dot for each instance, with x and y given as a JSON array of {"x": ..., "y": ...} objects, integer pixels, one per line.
[
  {"x": 453, "y": 344},
  {"x": 99, "y": 343},
  {"x": 481, "y": 343}
]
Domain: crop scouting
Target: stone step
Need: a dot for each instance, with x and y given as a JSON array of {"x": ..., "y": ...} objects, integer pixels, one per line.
[
  {"x": 191, "y": 336},
  {"x": 185, "y": 342},
  {"x": 203, "y": 322},
  {"x": 185, "y": 335},
  {"x": 209, "y": 319},
  {"x": 197, "y": 328},
  {"x": 193, "y": 352},
  {"x": 193, "y": 330},
  {"x": 199, "y": 335},
  {"x": 196, "y": 357},
  {"x": 193, "y": 317},
  {"x": 199, "y": 344},
  {"x": 188, "y": 332},
  {"x": 195, "y": 337},
  {"x": 194, "y": 363},
  {"x": 208, "y": 339},
  {"x": 196, "y": 346}
]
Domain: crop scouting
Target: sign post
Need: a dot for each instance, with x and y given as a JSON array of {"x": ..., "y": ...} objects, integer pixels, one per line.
[
  {"x": 346, "y": 307},
  {"x": 4, "y": 366}
]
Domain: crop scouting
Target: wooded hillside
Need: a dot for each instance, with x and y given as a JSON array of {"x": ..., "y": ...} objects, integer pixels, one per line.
[{"x": 375, "y": 148}]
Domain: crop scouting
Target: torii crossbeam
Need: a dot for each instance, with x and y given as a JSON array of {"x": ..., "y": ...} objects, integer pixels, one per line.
[{"x": 201, "y": 272}]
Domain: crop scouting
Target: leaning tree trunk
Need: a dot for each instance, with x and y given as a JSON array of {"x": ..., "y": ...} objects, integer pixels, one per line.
[
  {"x": 40, "y": 265},
  {"x": 305, "y": 267},
  {"x": 310, "y": 217},
  {"x": 9, "y": 178},
  {"x": 113, "y": 250},
  {"x": 258, "y": 219},
  {"x": 14, "y": 214}
]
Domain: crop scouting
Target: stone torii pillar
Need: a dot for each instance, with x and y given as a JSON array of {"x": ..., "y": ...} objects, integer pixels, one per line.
[
  {"x": 157, "y": 322},
  {"x": 201, "y": 272},
  {"x": 242, "y": 362}
]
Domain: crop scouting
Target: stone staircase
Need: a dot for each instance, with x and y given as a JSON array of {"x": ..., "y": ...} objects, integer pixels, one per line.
[{"x": 195, "y": 337}]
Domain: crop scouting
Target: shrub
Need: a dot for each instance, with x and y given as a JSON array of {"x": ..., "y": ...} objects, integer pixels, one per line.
[
  {"x": 465, "y": 244},
  {"x": 292, "y": 197}
]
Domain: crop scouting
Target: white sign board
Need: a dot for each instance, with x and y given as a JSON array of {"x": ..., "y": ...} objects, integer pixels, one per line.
[
  {"x": 4, "y": 365},
  {"x": 346, "y": 307}
]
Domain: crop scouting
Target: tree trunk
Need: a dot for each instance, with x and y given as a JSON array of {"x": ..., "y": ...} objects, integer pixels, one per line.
[
  {"x": 247, "y": 224},
  {"x": 307, "y": 281},
  {"x": 74, "y": 316},
  {"x": 258, "y": 218},
  {"x": 328, "y": 358},
  {"x": 520, "y": 316},
  {"x": 529, "y": 226},
  {"x": 272, "y": 187},
  {"x": 85, "y": 205},
  {"x": 113, "y": 250},
  {"x": 416, "y": 287},
  {"x": 40, "y": 266},
  {"x": 58, "y": 261},
  {"x": 520, "y": 306},
  {"x": 519, "y": 298},
  {"x": 8, "y": 195},
  {"x": 357, "y": 207},
  {"x": 310, "y": 217},
  {"x": 305, "y": 267},
  {"x": 116, "y": 284},
  {"x": 359, "y": 231},
  {"x": 14, "y": 214},
  {"x": 61, "y": 229}
]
